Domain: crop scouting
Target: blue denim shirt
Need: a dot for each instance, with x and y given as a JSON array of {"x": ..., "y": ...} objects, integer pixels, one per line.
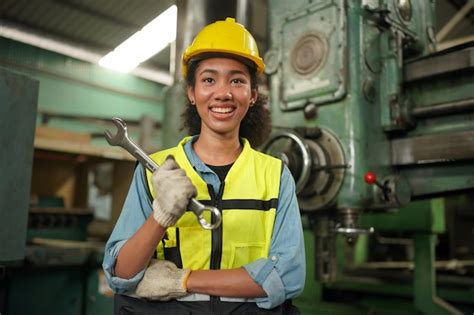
[{"x": 281, "y": 275}]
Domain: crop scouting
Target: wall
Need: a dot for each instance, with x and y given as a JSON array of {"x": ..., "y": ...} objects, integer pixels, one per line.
[{"x": 72, "y": 89}]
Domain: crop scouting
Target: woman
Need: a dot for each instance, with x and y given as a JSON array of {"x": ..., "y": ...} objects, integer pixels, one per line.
[{"x": 254, "y": 262}]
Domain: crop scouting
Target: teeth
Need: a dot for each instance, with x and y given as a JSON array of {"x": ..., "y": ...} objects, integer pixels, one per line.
[{"x": 222, "y": 110}]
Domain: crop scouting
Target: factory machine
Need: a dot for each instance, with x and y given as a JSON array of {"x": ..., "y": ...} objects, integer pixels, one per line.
[{"x": 377, "y": 127}]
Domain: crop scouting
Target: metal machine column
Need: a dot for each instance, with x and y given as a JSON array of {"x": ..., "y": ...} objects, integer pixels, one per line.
[{"x": 424, "y": 285}]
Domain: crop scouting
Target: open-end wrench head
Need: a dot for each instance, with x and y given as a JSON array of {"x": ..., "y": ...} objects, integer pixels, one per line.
[
  {"x": 121, "y": 132},
  {"x": 119, "y": 122}
]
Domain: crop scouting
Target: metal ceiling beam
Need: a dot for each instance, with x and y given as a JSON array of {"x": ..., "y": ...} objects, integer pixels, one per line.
[
  {"x": 59, "y": 35},
  {"x": 454, "y": 20},
  {"x": 445, "y": 44},
  {"x": 44, "y": 41},
  {"x": 77, "y": 6}
]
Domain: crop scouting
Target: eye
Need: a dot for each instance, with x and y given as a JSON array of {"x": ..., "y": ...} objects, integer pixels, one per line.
[
  {"x": 237, "y": 81},
  {"x": 207, "y": 80}
]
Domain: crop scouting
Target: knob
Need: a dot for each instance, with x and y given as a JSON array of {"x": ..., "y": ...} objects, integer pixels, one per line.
[{"x": 371, "y": 178}]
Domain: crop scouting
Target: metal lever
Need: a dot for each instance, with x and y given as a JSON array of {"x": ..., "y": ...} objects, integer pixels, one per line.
[
  {"x": 122, "y": 139},
  {"x": 352, "y": 231}
]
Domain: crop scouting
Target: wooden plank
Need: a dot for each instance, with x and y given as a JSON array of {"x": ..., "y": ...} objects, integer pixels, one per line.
[
  {"x": 45, "y": 132},
  {"x": 114, "y": 153},
  {"x": 66, "y": 243}
]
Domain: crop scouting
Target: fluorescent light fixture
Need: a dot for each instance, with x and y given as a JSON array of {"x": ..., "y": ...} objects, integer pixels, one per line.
[
  {"x": 144, "y": 44},
  {"x": 32, "y": 37}
]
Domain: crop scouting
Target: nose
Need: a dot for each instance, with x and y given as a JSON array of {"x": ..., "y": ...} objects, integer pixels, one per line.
[{"x": 223, "y": 92}]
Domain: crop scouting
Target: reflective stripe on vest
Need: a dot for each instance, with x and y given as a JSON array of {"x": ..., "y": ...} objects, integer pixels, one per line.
[{"x": 248, "y": 204}]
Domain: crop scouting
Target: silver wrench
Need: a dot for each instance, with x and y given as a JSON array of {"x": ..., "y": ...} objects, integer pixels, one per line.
[{"x": 123, "y": 140}]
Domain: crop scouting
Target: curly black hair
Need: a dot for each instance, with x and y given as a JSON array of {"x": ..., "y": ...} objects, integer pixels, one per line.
[{"x": 256, "y": 125}]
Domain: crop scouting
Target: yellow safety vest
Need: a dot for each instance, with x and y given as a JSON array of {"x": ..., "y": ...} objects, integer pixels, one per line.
[{"x": 248, "y": 200}]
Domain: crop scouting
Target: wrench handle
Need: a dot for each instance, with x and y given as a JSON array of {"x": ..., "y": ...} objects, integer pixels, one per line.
[
  {"x": 194, "y": 205},
  {"x": 145, "y": 160}
]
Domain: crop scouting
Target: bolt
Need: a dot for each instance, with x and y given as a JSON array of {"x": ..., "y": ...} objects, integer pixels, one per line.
[{"x": 310, "y": 111}]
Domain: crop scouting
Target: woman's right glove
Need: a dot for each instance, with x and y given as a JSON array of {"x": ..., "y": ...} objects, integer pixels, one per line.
[
  {"x": 163, "y": 281},
  {"x": 173, "y": 190}
]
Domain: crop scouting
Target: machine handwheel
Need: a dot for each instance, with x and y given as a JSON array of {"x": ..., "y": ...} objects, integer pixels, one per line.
[{"x": 305, "y": 155}]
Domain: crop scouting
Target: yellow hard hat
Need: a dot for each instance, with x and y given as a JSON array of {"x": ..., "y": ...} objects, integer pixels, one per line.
[{"x": 226, "y": 37}]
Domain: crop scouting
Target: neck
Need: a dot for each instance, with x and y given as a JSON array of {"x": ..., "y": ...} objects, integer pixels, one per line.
[{"x": 217, "y": 150}]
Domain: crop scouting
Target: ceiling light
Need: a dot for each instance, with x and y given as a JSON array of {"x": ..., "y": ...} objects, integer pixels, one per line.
[{"x": 144, "y": 44}]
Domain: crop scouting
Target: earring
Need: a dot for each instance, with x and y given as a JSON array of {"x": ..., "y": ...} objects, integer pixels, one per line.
[
  {"x": 252, "y": 103},
  {"x": 192, "y": 102}
]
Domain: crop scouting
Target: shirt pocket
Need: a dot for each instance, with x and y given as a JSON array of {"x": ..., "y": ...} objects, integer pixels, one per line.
[{"x": 244, "y": 253}]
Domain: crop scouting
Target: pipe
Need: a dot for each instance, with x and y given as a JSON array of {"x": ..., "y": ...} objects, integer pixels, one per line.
[
  {"x": 452, "y": 264},
  {"x": 443, "y": 109},
  {"x": 242, "y": 15},
  {"x": 192, "y": 17}
]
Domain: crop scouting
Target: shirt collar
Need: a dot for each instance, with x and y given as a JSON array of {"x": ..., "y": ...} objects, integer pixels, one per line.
[{"x": 193, "y": 158}]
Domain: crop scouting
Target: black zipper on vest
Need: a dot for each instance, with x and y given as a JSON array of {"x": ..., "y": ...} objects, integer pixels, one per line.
[
  {"x": 216, "y": 248},
  {"x": 216, "y": 237}
]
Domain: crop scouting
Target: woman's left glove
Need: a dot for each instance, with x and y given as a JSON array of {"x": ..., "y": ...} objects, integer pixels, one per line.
[{"x": 163, "y": 281}]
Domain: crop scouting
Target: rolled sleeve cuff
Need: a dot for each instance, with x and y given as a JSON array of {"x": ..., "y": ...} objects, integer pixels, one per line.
[
  {"x": 263, "y": 272},
  {"x": 117, "y": 284}
]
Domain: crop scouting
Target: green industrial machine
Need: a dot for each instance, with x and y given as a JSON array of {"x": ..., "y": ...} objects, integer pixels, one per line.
[{"x": 377, "y": 129}]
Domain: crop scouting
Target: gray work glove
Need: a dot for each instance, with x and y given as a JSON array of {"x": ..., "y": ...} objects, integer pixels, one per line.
[
  {"x": 163, "y": 281},
  {"x": 173, "y": 190}
]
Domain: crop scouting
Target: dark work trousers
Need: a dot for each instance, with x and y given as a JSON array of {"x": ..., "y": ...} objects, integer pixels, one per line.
[{"x": 125, "y": 305}]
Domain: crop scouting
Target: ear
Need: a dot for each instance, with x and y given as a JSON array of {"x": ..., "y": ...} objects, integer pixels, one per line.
[
  {"x": 190, "y": 92},
  {"x": 253, "y": 95}
]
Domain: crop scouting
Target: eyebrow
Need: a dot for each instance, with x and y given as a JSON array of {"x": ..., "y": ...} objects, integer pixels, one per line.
[{"x": 213, "y": 71}]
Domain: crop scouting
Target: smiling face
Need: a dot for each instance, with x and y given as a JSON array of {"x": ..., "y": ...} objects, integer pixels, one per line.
[{"x": 222, "y": 95}]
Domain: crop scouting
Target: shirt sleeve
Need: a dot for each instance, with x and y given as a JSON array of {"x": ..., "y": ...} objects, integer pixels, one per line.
[
  {"x": 282, "y": 274},
  {"x": 136, "y": 209}
]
